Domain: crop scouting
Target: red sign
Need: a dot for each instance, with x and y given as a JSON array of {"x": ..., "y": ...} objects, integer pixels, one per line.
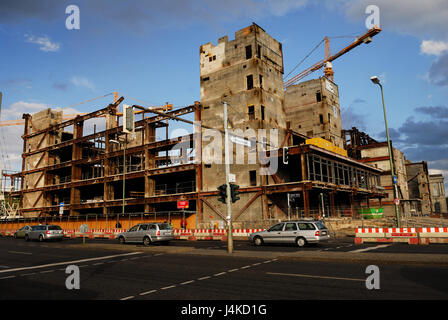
[{"x": 182, "y": 204}]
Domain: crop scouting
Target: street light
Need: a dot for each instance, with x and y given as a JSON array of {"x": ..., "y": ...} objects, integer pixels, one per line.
[
  {"x": 124, "y": 172},
  {"x": 376, "y": 80}
]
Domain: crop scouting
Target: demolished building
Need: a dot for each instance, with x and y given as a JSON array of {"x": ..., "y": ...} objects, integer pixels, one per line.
[{"x": 66, "y": 162}]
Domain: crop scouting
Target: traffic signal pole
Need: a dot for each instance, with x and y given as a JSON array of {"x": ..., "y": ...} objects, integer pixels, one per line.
[{"x": 229, "y": 197}]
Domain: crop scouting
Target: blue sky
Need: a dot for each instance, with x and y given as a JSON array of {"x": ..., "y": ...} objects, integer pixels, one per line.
[{"x": 150, "y": 50}]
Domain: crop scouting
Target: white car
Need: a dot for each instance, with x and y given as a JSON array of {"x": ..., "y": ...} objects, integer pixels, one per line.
[
  {"x": 299, "y": 232},
  {"x": 147, "y": 233},
  {"x": 44, "y": 232}
]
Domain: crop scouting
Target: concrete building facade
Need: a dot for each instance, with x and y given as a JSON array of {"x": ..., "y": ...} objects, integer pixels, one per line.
[
  {"x": 312, "y": 109},
  {"x": 378, "y": 155},
  {"x": 438, "y": 193},
  {"x": 419, "y": 188}
]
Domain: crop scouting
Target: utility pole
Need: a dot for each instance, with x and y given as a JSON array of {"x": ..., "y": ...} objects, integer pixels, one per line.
[{"x": 228, "y": 198}]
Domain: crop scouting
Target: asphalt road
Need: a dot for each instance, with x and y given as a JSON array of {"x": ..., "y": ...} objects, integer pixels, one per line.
[{"x": 33, "y": 270}]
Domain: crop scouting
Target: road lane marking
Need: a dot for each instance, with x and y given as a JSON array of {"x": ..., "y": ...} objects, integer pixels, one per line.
[
  {"x": 232, "y": 270},
  {"x": 9, "y": 277},
  {"x": 147, "y": 292},
  {"x": 169, "y": 287},
  {"x": 127, "y": 298},
  {"x": 47, "y": 271},
  {"x": 371, "y": 248},
  {"x": 19, "y": 252},
  {"x": 219, "y": 274},
  {"x": 245, "y": 267},
  {"x": 28, "y": 274},
  {"x": 313, "y": 276},
  {"x": 68, "y": 262},
  {"x": 187, "y": 282},
  {"x": 204, "y": 278},
  {"x": 4, "y": 267}
]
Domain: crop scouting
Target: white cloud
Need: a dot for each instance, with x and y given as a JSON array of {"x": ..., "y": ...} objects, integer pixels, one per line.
[
  {"x": 431, "y": 47},
  {"x": 17, "y": 109},
  {"x": 412, "y": 17},
  {"x": 44, "y": 42},
  {"x": 82, "y": 82}
]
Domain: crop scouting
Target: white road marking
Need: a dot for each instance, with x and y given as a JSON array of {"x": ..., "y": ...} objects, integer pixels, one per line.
[
  {"x": 47, "y": 271},
  {"x": 232, "y": 270},
  {"x": 147, "y": 292},
  {"x": 19, "y": 252},
  {"x": 68, "y": 262},
  {"x": 28, "y": 274},
  {"x": 219, "y": 274},
  {"x": 204, "y": 278},
  {"x": 98, "y": 263},
  {"x": 169, "y": 287},
  {"x": 245, "y": 267},
  {"x": 9, "y": 277},
  {"x": 313, "y": 276},
  {"x": 371, "y": 248},
  {"x": 127, "y": 298},
  {"x": 187, "y": 282},
  {"x": 4, "y": 267}
]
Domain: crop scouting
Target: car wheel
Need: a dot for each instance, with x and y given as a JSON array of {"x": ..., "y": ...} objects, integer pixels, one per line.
[
  {"x": 300, "y": 242},
  {"x": 41, "y": 238},
  {"x": 146, "y": 241},
  {"x": 121, "y": 240},
  {"x": 258, "y": 241}
]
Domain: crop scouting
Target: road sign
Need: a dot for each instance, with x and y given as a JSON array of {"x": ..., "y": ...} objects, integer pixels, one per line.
[
  {"x": 232, "y": 177},
  {"x": 182, "y": 204},
  {"x": 397, "y": 201},
  {"x": 395, "y": 179},
  {"x": 61, "y": 208},
  {"x": 83, "y": 228}
]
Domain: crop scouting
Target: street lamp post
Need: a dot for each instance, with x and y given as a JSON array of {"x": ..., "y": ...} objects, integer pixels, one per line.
[
  {"x": 124, "y": 172},
  {"x": 376, "y": 80}
]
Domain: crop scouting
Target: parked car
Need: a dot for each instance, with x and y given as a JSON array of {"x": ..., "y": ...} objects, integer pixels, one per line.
[
  {"x": 147, "y": 233},
  {"x": 44, "y": 232},
  {"x": 20, "y": 233},
  {"x": 299, "y": 232}
]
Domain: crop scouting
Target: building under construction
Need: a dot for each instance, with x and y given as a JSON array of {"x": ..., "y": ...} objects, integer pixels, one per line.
[{"x": 89, "y": 165}]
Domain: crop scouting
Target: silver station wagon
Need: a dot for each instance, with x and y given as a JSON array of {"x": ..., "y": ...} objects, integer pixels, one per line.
[
  {"x": 44, "y": 232},
  {"x": 299, "y": 232},
  {"x": 147, "y": 233}
]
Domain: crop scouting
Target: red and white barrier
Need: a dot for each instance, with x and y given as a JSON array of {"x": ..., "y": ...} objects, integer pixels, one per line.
[
  {"x": 410, "y": 235},
  {"x": 186, "y": 234}
]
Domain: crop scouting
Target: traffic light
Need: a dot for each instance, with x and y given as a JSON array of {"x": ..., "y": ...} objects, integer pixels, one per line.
[
  {"x": 285, "y": 155},
  {"x": 222, "y": 195},
  {"x": 234, "y": 192}
]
